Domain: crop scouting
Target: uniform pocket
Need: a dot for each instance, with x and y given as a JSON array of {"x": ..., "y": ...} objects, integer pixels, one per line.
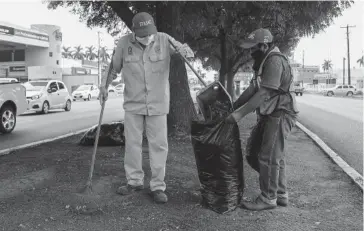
[{"x": 158, "y": 62}]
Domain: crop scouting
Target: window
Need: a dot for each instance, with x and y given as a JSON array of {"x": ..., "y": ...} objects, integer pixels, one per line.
[
  {"x": 351, "y": 86},
  {"x": 19, "y": 55},
  {"x": 50, "y": 54},
  {"x": 339, "y": 87},
  {"x": 5, "y": 56},
  {"x": 57, "y": 62},
  {"x": 61, "y": 86},
  {"x": 53, "y": 85},
  {"x": 346, "y": 87}
]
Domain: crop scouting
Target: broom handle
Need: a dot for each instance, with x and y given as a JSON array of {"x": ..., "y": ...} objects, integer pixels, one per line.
[
  {"x": 186, "y": 61},
  {"x": 96, "y": 143}
]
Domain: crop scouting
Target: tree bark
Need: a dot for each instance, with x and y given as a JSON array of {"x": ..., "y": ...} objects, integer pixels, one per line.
[
  {"x": 182, "y": 109},
  {"x": 224, "y": 60}
]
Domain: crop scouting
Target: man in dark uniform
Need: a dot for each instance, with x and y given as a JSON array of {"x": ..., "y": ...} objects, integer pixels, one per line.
[{"x": 269, "y": 95}]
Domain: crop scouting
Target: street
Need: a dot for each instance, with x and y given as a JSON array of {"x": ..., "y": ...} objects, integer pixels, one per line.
[
  {"x": 33, "y": 127},
  {"x": 338, "y": 122}
]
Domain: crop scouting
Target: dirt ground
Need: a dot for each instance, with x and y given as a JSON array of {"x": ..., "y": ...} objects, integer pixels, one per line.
[{"x": 38, "y": 184}]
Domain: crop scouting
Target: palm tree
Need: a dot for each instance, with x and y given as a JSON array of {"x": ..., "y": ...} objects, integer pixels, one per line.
[
  {"x": 78, "y": 53},
  {"x": 104, "y": 56},
  {"x": 327, "y": 65},
  {"x": 361, "y": 61},
  {"x": 66, "y": 53},
  {"x": 90, "y": 54}
]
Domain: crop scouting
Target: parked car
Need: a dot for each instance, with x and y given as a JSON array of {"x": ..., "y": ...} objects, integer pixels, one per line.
[
  {"x": 8, "y": 80},
  {"x": 86, "y": 92},
  {"x": 45, "y": 95},
  {"x": 341, "y": 90},
  {"x": 12, "y": 103},
  {"x": 298, "y": 88}
]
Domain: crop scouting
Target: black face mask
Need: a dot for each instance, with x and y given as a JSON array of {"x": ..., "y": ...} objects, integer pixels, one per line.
[{"x": 257, "y": 55}]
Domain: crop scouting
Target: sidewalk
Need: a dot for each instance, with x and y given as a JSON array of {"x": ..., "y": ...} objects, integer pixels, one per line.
[{"x": 36, "y": 185}]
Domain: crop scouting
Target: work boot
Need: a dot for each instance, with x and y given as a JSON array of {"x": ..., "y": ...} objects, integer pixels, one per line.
[
  {"x": 258, "y": 205},
  {"x": 159, "y": 197},
  {"x": 282, "y": 200},
  {"x": 128, "y": 189}
]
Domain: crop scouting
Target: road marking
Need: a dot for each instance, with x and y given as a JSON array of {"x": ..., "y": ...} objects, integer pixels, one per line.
[
  {"x": 9, "y": 150},
  {"x": 352, "y": 173}
]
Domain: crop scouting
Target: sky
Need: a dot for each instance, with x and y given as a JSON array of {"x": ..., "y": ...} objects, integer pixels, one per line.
[{"x": 329, "y": 44}]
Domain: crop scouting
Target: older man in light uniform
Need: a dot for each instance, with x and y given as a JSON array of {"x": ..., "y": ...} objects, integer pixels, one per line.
[{"x": 144, "y": 59}]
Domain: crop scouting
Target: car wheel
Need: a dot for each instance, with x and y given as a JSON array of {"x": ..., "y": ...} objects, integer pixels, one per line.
[
  {"x": 7, "y": 119},
  {"x": 296, "y": 94},
  {"x": 89, "y": 97},
  {"x": 349, "y": 94},
  {"x": 74, "y": 100},
  {"x": 68, "y": 105},
  {"x": 301, "y": 94},
  {"x": 45, "y": 107},
  {"x": 330, "y": 93}
]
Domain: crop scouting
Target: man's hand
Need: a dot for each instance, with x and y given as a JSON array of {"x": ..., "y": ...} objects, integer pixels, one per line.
[
  {"x": 103, "y": 95},
  {"x": 230, "y": 119},
  {"x": 186, "y": 51}
]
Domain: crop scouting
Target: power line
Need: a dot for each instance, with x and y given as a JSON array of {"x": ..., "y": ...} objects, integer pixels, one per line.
[{"x": 348, "y": 42}]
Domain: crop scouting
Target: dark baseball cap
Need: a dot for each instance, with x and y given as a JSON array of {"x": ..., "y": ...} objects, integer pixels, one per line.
[
  {"x": 258, "y": 36},
  {"x": 143, "y": 24}
]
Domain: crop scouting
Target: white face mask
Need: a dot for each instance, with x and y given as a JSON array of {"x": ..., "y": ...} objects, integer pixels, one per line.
[{"x": 146, "y": 40}]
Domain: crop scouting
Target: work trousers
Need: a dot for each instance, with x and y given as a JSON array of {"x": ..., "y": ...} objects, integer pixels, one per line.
[
  {"x": 156, "y": 131},
  {"x": 266, "y": 153}
]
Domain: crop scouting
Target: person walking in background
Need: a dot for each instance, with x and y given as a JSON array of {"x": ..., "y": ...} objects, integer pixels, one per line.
[{"x": 144, "y": 59}]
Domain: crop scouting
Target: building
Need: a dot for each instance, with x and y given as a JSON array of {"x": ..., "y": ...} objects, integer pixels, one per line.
[
  {"x": 27, "y": 52},
  {"x": 304, "y": 74}
]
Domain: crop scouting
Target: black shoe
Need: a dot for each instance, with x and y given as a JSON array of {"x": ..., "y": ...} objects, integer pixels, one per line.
[
  {"x": 129, "y": 189},
  {"x": 159, "y": 197}
]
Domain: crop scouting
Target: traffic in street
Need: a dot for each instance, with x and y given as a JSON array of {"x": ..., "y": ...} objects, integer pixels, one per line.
[
  {"x": 32, "y": 127},
  {"x": 338, "y": 122}
]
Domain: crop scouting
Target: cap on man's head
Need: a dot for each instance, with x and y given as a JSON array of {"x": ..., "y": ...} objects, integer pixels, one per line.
[
  {"x": 258, "y": 36},
  {"x": 143, "y": 24}
]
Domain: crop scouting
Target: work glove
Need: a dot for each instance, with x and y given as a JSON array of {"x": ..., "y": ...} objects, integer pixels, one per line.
[{"x": 103, "y": 95}]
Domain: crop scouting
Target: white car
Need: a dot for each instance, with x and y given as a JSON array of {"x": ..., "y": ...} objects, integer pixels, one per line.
[
  {"x": 343, "y": 90},
  {"x": 8, "y": 80},
  {"x": 12, "y": 104},
  {"x": 86, "y": 92},
  {"x": 45, "y": 95}
]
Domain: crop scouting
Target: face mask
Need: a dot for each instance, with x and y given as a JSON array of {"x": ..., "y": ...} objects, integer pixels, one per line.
[
  {"x": 257, "y": 55},
  {"x": 146, "y": 40}
]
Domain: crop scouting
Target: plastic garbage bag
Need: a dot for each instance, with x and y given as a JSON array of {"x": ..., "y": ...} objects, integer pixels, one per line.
[
  {"x": 218, "y": 154},
  {"x": 110, "y": 135}
]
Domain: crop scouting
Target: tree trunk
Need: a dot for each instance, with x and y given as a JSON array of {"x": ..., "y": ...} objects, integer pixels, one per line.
[
  {"x": 230, "y": 84},
  {"x": 224, "y": 58},
  {"x": 182, "y": 109}
]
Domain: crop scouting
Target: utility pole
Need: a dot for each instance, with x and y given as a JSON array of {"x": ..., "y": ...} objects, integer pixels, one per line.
[
  {"x": 348, "y": 42},
  {"x": 303, "y": 59},
  {"x": 98, "y": 59},
  {"x": 344, "y": 71}
]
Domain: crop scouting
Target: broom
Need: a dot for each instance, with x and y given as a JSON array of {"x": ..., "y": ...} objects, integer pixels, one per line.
[{"x": 86, "y": 200}]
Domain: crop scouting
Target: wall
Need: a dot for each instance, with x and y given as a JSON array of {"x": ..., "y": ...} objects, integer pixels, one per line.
[
  {"x": 37, "y": 72},
  {"x": 55, "y": 44}
]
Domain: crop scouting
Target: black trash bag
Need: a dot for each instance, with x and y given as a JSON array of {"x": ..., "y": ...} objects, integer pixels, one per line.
[
  {"x": 254, "y": 144},
  {"x": 218, "y": 153},
  {"x": 110, "y": 135}
]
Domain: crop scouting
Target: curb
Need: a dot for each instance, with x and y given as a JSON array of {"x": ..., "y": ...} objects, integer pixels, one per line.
[
  {"x": 352, "y": 173},
  {"x": 10, "y": 150}
]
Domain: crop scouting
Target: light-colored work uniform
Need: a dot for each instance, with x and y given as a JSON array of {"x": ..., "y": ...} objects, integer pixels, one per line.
[{"x": 146, "y": 104}]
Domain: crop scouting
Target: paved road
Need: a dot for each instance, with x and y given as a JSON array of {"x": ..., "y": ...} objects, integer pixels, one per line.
[
  {"x": 338, "y": 122},
  {"x": 34, "y": 127}
]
